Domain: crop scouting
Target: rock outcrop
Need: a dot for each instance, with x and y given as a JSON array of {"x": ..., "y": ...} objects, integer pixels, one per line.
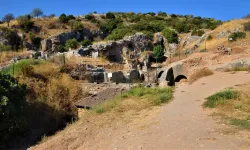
[
  {"x": 49, "y": 45},
  {"x": 114, "y": 50}
]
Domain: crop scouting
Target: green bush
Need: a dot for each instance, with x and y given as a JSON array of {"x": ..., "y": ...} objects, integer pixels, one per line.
[
  {"x": 36, "y": 41},
  {"x": 237, "y": 35},
  {"x": 220, "y": 98},
  {"x": 63, "y": 18},
  {"x": 61, "y": 49},
  {"x": 12, "y": 108},
  {"x": 71, "y": 43},
  {"x": 197, "y": 32},
  {"x": 110, "y": 15},
  {"x": 89, "y": 17},
  {"x": 25, "y": 23},
  {"x": 170, "y": 35},
  {"x": 109, "y": 26},
  {"x": 158, "y": 51},
  {"x": 120, "y": 33},
  {"x": 76, "y": 25},
  {"x": 209, "y": 37},
  {"x": 86, "y": 42},
  {"x": 70, "y": 17}
]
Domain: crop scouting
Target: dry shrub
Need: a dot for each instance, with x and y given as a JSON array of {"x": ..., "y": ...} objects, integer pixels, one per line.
[
  {"x": 204, "y": 72},
  {"x": 8, "y": 55}
]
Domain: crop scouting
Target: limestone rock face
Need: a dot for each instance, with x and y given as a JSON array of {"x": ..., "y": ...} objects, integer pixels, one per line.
[
  {"x": 49, "y": 45},
  {"x": 114, "y": 50}
]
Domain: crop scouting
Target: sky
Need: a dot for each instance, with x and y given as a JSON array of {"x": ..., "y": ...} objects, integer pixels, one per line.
[{"x": 218, "y": 9}]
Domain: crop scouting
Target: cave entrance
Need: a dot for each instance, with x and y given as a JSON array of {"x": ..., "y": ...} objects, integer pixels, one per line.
[
  {"x": 159, "y": 75},
  {"x": 170, "y": 77},
  {"x": 179, "y": 78}
]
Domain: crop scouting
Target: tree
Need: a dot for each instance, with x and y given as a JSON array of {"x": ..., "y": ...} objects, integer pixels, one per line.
[
  {"x": 86, "y": 42},
  {"x": 12, "y": 107},
  {"x": 158, "y": 51},
  {"x": 71, "y": 43},
  {"x": 8, "y": 17},
  {"x": 63, "y": 18},
  {"x": 110, "y": 15},
  {"x": 170, "y": 35},
  {"x": 36, "y": 12},
  {"x": 70, "y": 17},
  {"x": 25, "y": 22}
]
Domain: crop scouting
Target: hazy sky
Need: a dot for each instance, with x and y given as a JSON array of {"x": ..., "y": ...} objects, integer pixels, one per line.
[{"x": 219, "y": 9}]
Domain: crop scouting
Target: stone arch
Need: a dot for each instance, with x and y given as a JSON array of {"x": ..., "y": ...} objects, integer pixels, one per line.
[
  {"x": 159, "y": 75},
  {"x": 179, "y": 78},
  {"x": 170, "y": 77}
]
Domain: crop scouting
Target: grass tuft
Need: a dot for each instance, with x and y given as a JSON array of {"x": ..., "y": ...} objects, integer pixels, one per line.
[
  {"x": 147, "y": 96},
  {"x": 244, "y": 124},
  {"x": 221, "y": 98}
]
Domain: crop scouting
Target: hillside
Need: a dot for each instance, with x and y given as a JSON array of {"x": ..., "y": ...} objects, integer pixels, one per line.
[{"x": 126, "y": 76}]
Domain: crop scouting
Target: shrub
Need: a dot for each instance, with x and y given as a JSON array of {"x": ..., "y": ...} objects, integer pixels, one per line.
[
  {"x": 109, "y": 26},
  {"x": 163, "y": 14},
  {"x": 237, "y": 35},
  {"x": 158, "y": 52},
  {"x": 77, "y": 26},
  {"x": 197, "y": 32},
  {"x": 36, "y": 41},
  {"x": 12, "y": 108},
  {"x": 209, "y": 37},
  {"x": 119, "y": 33},
  {"x": 63, "y": 18},
  {"x": 71, "y": 43},
  {"x": 110, "y": 15},
  {"x": 89, "y": 17},
  {"x": 70, "y": 17},
  {"x": 170, "y": 35},
  {"x": 86, "y": 42},
  {"x": 25, "y": 23},
  {"x": 246, "y": 26},
  {"x": 61, "y": 49}
]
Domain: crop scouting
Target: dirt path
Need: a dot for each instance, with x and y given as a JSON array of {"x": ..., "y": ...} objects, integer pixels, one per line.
[{"x": 182, "y": 124}]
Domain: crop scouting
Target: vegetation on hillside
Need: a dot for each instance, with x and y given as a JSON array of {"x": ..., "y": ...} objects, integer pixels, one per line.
[{"x": 45, "y": 91}]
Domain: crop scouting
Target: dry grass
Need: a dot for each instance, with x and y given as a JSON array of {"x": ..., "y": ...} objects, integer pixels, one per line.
[
  {"x": 204, "y": 72},
  {"x": 8, "y": 55},
  {"x": 236, "y": 109}
]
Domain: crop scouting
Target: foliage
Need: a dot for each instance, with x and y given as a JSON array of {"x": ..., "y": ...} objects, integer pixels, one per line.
[
  {"x": 36, "y": 41},
  {"x": 197, "y": 32},
  {"x": 221, "y": 97},
  {"x": 8, "y": 17},
  {"x": 36, "y": 12},
  {"x": 61, "y": 49},
  {"x": 89, "y": 17},
  {"x": 71, "y": 43},
  {"x": 158, "y": 51},
  {"x": 237, "y": 35},
  {"x": 77, "y": 26},
  {"x": 25, "y": 23},
  {"x": 246, "y": 26},
  {"x": 63, "y": 18},
  {"x": 70, "y": 17},
  {"x": 110, "y": 15},
  {"x": 86, "y": 42},
  {"x": 163, "y": 14},
  {"x": 119, "y": 33},
  {"x": 209, "y": 37},
  {"x": 170, "y": 35},
  {"x": 12, "y": 108},
  {"x": 13, "y": 39}
]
